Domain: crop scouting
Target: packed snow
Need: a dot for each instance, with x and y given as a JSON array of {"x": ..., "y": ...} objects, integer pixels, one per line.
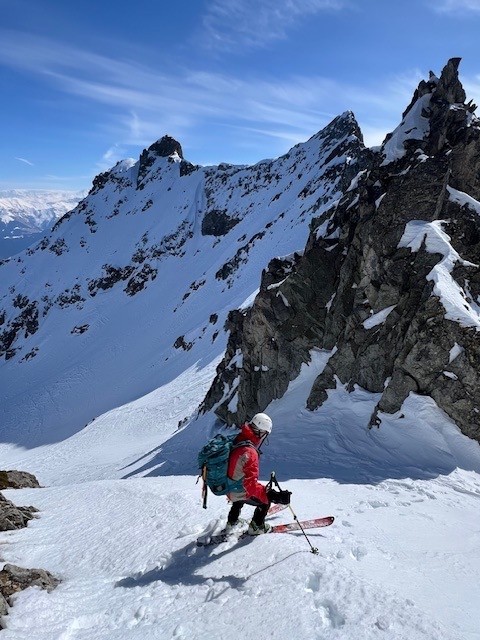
[
  {"x": 457, "y": 304},
  {"x": 401, "y": 560},
  {"x": 414, "y": 126},
  {"x": 378, "y": 318},
  {"x": 455, "y": 351},
  {"x": 463, "y": 199}
]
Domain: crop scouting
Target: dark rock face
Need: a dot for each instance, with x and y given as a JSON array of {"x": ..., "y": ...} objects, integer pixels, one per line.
[
  {"x": 359, "y": 261},
  {"x": 12, "y": 517},
  {"x": 17, "y": 480},
  {"x": 111, "y": 276},
  {"x": 25, "y": 322},
  {"x": 163, "y": 148},
  {"x": 217, "y": 223}
]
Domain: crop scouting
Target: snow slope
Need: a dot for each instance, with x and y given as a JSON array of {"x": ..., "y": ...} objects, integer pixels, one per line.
[
  {"x": 131, "y": 288},
  {"x": 100, "y": 402},
  {"x": 400, "y": 561},
  {"x": 145, "y": 578}
]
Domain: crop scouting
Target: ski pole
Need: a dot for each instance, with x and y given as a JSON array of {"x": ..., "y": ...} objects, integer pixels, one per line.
[
  {"x": 273, "y": 478},
  {"x": 204, "y": 487}
]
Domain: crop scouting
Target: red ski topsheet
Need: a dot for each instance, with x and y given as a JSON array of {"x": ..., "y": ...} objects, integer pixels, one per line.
[
  {"x": 275, "y": 508},
  {"x": 306, "y": 524}
]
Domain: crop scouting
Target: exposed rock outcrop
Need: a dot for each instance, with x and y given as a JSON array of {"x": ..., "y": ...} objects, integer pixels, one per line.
[
  {"x": 389, "y": 278},
  {"x": 166, "y": 147},
  {"x": 18, "y": 480},
  {"x": 14, "y": 579},
  {"x": 13, "y": 517}
]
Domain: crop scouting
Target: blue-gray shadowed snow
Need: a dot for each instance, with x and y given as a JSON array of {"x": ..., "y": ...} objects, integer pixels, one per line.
[
  {"x": 334, "y": 441},
  {"x": 11, "y": 246},
  {"x": 187, "y": 569},
  {"x": 134, "y": 285}
]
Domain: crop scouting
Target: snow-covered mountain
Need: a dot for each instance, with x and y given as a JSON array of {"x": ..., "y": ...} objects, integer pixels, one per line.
[
  {"x": 133, "y": 286},
  {"x": 389, "y": 279},
  {"x": 331, "y": 287},
  {"x": 25, "y": 215}
]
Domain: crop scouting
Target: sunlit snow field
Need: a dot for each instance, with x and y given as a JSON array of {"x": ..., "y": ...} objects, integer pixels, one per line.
[{"x": 121, "y": 512}]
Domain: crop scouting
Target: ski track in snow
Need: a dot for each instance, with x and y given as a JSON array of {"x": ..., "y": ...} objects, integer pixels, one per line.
[
  {"x": 150, "y": 580},
  {"x": 120, "y": 512},
  {"x": 400, "y": 561}
]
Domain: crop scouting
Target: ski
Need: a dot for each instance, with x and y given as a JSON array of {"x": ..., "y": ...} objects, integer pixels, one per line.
[
  {"x": 276, "y": 508},
  {"x": 206, "y": 541},
  {"x": 302, "y": 524},
  {"x": 316, "y": 523}
]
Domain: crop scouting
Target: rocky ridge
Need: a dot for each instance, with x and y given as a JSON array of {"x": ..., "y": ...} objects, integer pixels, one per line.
[
  {"x": 389, "y": 280},
  {"x": 138, "y": 268}
]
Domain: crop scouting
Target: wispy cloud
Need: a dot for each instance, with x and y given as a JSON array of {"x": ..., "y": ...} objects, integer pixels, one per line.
[
  {"x": 459, "y": 7},
  {"x": 24, "y": 160},
  {"x": 112, "y": 155},
  {"x": 200, "y": 108},
  {"x": 242, "y": 24}
]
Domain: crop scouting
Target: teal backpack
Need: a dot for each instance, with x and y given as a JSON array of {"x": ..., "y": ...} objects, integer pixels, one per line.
[{"x": 213, "y": 462}]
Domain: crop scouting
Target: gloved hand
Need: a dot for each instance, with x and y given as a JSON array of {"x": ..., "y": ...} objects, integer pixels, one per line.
[{"x": 279, "y": 497}]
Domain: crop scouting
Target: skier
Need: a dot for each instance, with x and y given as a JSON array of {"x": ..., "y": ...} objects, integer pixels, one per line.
[{"x": 243, "y": 464}]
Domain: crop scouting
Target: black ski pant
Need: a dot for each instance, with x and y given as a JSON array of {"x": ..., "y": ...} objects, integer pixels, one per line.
[{"x": 258, "y": 515}]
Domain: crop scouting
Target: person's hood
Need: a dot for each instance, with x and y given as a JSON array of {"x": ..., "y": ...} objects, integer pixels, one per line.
[{"x": 247, "y": 433}]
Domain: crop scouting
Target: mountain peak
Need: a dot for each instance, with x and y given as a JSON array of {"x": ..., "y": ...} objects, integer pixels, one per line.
[
  {"x": 433, "y": 119},
  {"x": 165, "y": 147},
  {"x": 343, "y": 125},
  {"x": 449, "y": 88}
]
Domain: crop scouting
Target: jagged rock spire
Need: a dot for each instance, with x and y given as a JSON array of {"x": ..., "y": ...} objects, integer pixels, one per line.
[
  {"x": 165, "y": 147},
  {"x": 364, "y": 292},
  {"x": 449, "y": 87},
  {"x": 434, "y": 118}
]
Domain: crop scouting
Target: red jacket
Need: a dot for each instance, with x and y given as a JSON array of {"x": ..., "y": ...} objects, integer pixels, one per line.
[{"x": 243, "y": 464}]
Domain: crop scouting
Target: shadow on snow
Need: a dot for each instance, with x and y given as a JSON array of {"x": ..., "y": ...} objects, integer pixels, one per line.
[
  {"x": 330, "y": 446},
  {"x": 184, "y": 567}
]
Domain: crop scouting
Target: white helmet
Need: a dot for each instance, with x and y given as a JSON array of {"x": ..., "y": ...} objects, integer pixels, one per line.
[{"x": 262, "y": 422}]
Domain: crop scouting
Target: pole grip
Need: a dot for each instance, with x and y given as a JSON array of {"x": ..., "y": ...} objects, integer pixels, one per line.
[{"x": 313, "y": 549}]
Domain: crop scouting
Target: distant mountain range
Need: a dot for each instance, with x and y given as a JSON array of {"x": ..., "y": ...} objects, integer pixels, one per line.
[{"x": 25, "y": 216}]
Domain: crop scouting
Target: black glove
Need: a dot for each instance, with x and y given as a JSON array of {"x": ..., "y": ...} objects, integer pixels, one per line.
[{"x": 279, "y": 497}]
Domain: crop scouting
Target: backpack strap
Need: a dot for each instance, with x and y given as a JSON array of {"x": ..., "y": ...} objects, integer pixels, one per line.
[{"x": 244, "y": 443}]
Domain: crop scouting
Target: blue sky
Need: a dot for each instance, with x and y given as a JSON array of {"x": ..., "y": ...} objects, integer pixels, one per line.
[{"x": 86, "y": 83}]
